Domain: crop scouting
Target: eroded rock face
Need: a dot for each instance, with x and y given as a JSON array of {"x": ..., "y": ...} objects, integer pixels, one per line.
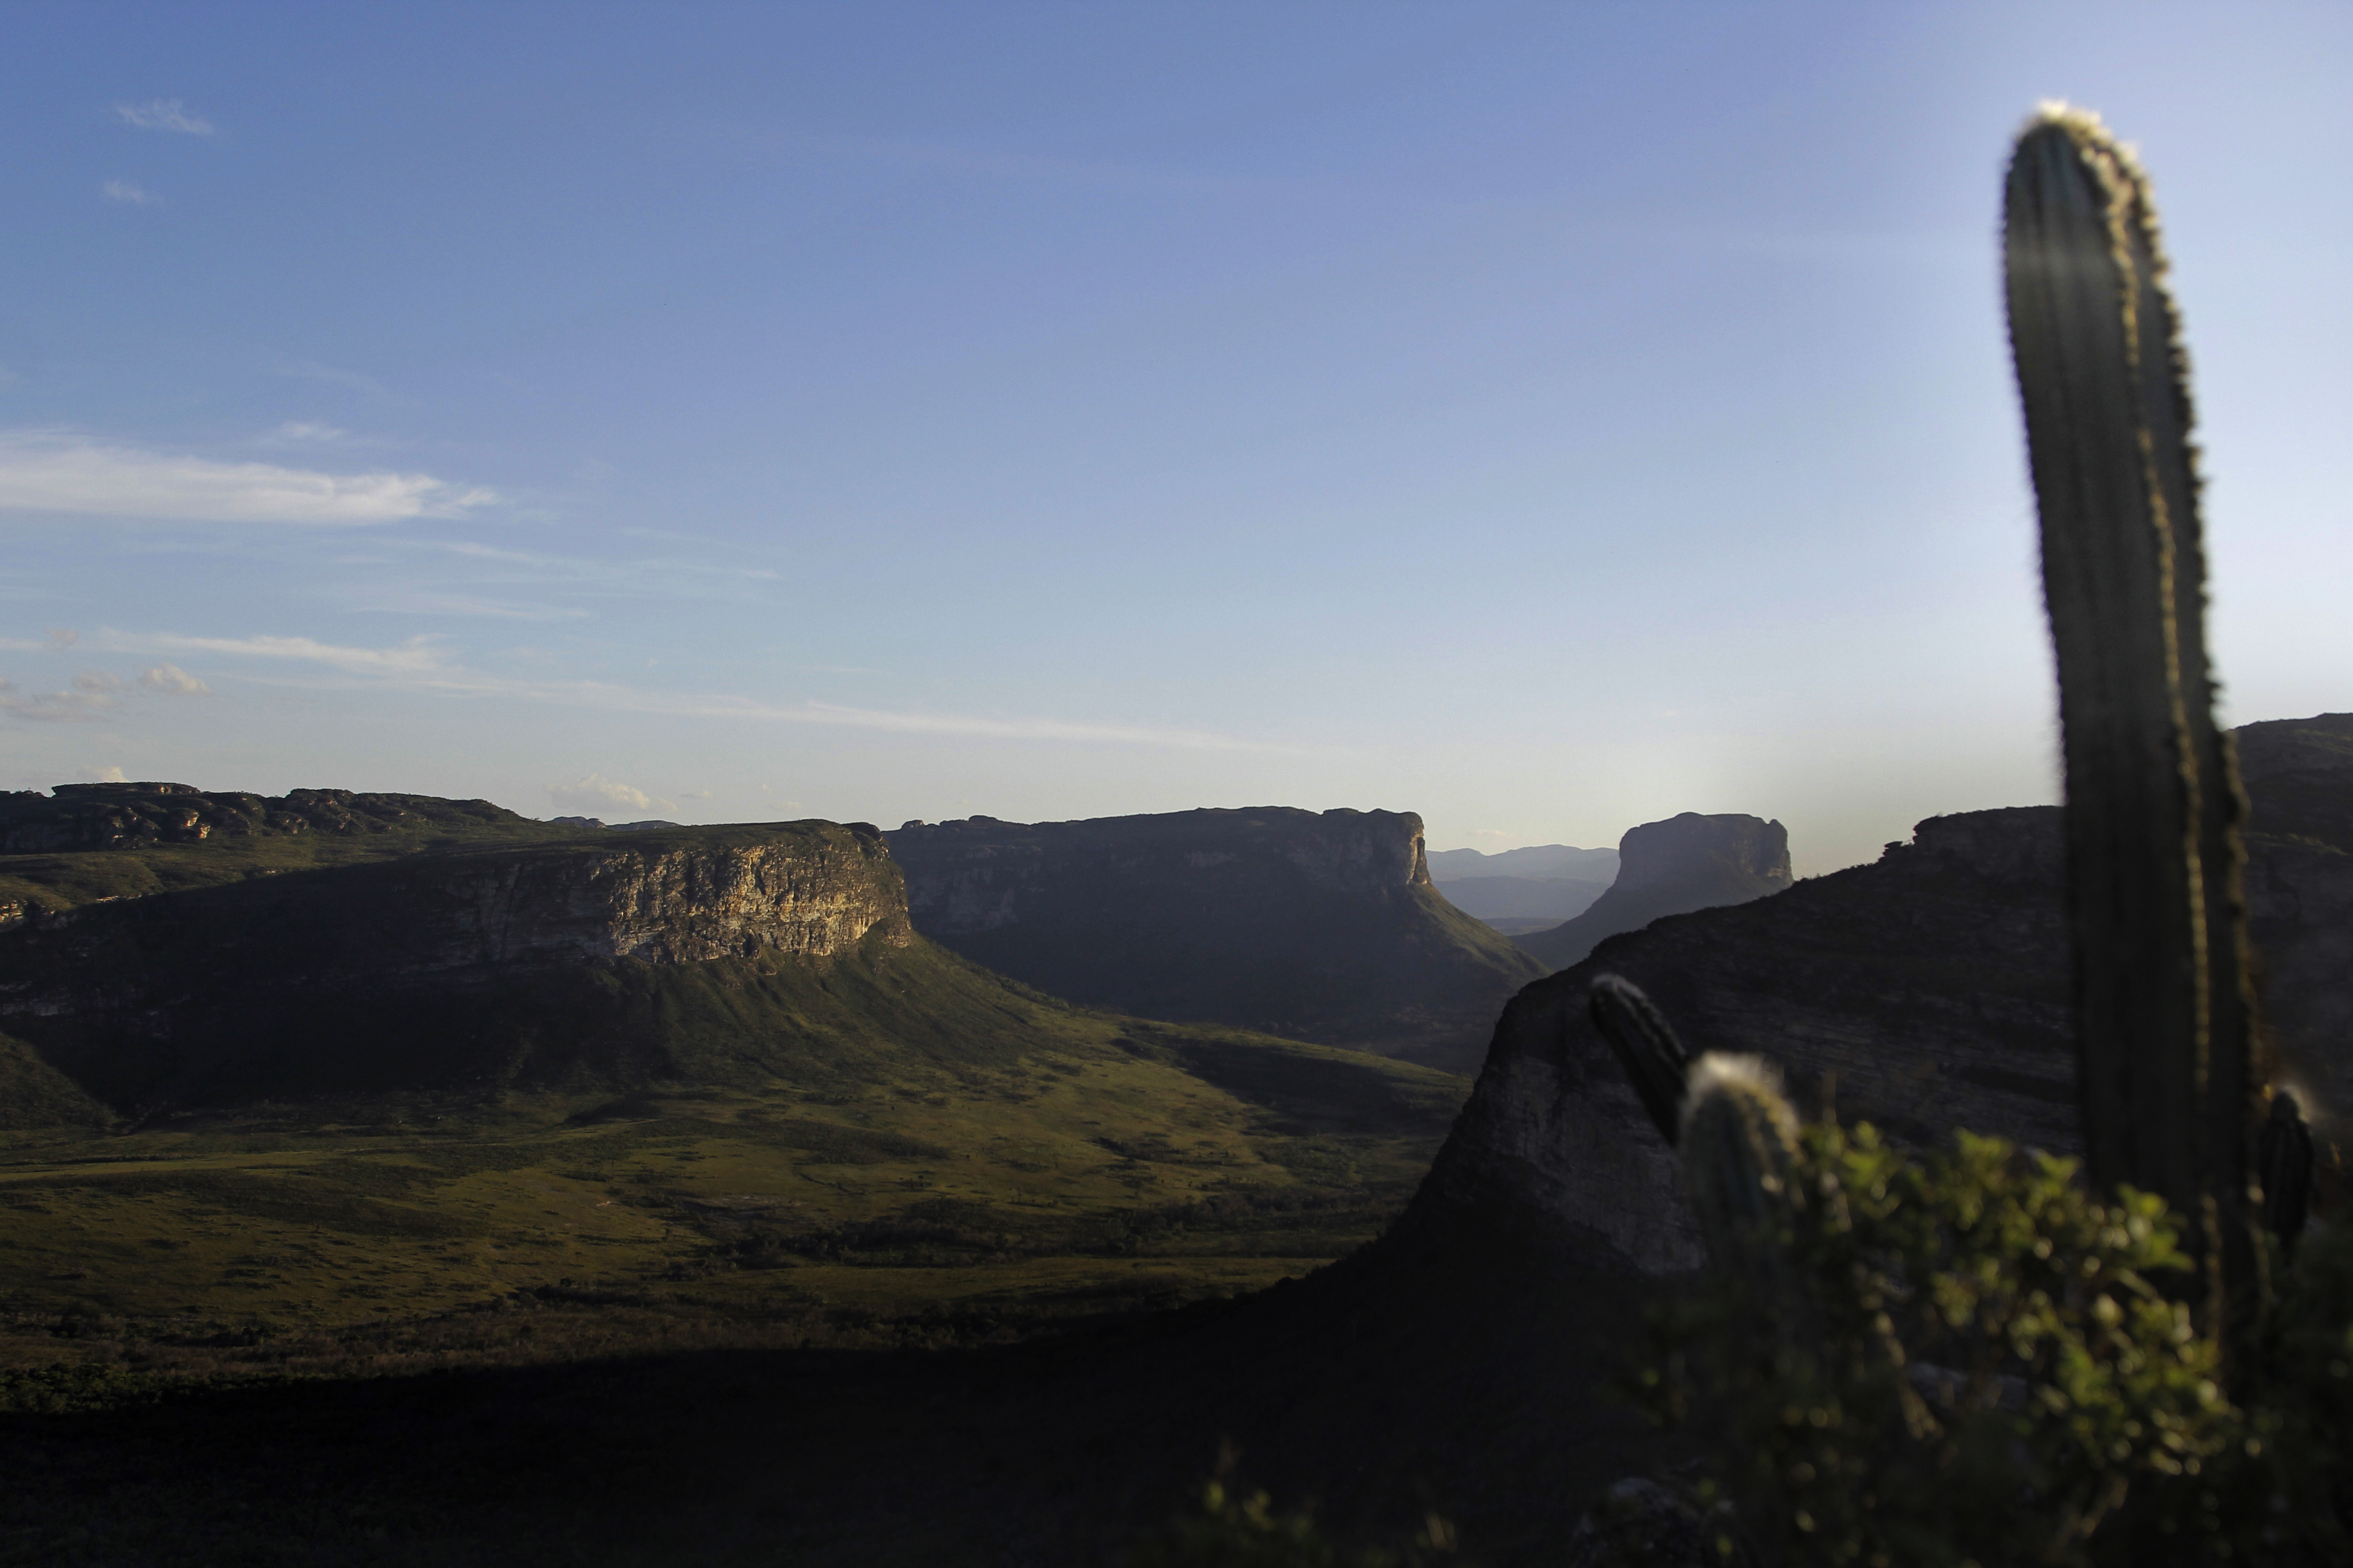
[
  {"x": 1925, "y": 992},
  {"x": 185, "y": 996},
  {"x": 669, "y": 899},
  {"x": 1321, "y": 926},
  {"x": 78, "y": 817},
  {"x": 1687, "y": 862}
]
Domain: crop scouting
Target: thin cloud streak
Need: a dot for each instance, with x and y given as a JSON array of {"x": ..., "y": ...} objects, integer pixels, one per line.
[
  {"x": 421, "y": 665},
  {"x": 164, "y": 114},
  {"x": 49, "y": 470}
]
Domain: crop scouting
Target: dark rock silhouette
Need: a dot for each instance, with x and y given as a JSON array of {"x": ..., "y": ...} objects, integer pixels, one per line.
[
  {"x": 1687, "y": 862},
  {"x": 1926, "y": 991},
  {"x": 84, "y": 816},
  {"x": 1320, "y": 927}
]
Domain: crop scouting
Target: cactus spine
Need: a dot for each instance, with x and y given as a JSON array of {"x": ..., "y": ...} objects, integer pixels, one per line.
[
  {"x": 2154, "y": 807},
  {"x": 1646, "y": 1047}
]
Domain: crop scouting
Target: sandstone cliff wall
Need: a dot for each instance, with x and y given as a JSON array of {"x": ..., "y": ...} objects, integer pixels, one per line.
[
  {"x": 1320, "y": 926},
  {"x": 425, "y": 968}
]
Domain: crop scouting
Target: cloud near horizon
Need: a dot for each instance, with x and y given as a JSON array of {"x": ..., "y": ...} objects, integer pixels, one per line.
[
  {"x": 163, "y": 114},
  {"x": 421, "y": 665},
  {"x": 127, "y": 191},
  {"x": 94, "y": 694},
  {"x": 174, "y": 681},
  {"x": 597, "y": 792},
  {"x": 43, "y": 470}
]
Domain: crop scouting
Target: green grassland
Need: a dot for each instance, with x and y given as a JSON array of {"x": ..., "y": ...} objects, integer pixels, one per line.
[{"x": 1111, "y": 1164}]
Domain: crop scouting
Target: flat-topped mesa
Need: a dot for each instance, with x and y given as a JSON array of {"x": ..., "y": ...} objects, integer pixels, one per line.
[
  {"x": 93, "y": 817},
  {"x": 1322, "y": 926},
  {"x": 688, "y": 895},
  {"x": 1671, "y": 867},
  {"x": 432, "y": 969}
]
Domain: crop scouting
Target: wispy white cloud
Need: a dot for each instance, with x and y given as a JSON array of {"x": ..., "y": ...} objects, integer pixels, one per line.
[
  {"x": 128, "y": 192},
  {"x": 422, "y": 664},
  {"x": 62, "y": 637},
  {"x": 47, "y": 470},
  {"x": 417, "y": 661},
  {"x": 304, "y": 433},
  {"x": 419, "y": 602},
  {"x": 93, "y": 695},
  {"x": 597, "y": 792},
  {"x": 171, "y": 679},
  {"x": 163, "y": 114}
]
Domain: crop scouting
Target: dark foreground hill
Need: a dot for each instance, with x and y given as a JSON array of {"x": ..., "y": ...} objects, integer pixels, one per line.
[
  {"x": 1924, "y": 991},
  {"x": 1687, "y": 862},
  {"x": 1320, "y": 927}
]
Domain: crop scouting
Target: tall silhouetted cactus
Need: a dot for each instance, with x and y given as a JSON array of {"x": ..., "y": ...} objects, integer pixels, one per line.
[{"x": 2154, "y": 807}]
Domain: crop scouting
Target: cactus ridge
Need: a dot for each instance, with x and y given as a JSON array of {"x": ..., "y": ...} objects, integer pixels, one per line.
[{"x": 1645, "y": 1045}]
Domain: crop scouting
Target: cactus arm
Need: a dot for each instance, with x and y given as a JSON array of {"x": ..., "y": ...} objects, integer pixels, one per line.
[
  {"x": 2284, "y": 1160},
  {"x": 1645, "y": 1045},
  {"x": 2153, "y": 806}
]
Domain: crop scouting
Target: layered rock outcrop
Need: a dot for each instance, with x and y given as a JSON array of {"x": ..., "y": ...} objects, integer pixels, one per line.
[
  {"x": 432, "y": 968},
  {"x": 1320, "y": 926},
  {"x": 1687, "y": 862},
  {"x": 1925, "y": 992}
]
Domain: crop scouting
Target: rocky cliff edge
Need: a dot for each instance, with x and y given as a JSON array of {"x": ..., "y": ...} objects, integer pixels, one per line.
[
  {"x": 1321, "y": 926},
  {"x": 1924, "y": 992}
]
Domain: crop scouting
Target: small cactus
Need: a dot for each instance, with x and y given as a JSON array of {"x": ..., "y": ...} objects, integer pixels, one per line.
[
  {"x": 2164, "y": 1016},
  {"x": 1645, "y": 1045},
  {"x": 1739, "y": 1146}
]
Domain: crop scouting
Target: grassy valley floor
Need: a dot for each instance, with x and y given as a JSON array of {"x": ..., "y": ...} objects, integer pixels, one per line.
[
  {"x": 566, "y": 1332},
  {"x": 1147, "y": 1164}
]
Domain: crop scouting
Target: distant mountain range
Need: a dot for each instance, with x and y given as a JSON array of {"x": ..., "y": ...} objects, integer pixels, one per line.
[
  {"x": 1541, "y": 861},
  {"x": 163, "y": 947}
]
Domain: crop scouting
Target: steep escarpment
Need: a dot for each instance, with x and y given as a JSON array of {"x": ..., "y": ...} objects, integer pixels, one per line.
[
  {"x": 1924, "y": 992},
  {"x": 537, "y": 965},
  {"x": 1319, "y": 926},
  {"x": 1687, "y": 862}
]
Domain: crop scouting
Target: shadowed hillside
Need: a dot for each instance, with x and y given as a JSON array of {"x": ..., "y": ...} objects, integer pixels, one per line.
[
  {"x": 1319, "y": 927},
  {"x": 1687, "y": 862}
]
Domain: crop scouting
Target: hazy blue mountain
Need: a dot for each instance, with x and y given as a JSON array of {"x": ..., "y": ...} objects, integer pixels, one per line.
[
  {"x": 1537, "y": 860},
  {"x": 1514, "y": 897},
  {"x": 1687, "y": 862}
]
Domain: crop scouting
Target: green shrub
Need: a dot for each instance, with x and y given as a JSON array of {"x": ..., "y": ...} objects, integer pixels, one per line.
[{"x": 1984, "y": 1365}]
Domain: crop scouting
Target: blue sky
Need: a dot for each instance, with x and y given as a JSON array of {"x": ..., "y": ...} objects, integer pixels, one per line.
[{"x": 1546, "y": 419}]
